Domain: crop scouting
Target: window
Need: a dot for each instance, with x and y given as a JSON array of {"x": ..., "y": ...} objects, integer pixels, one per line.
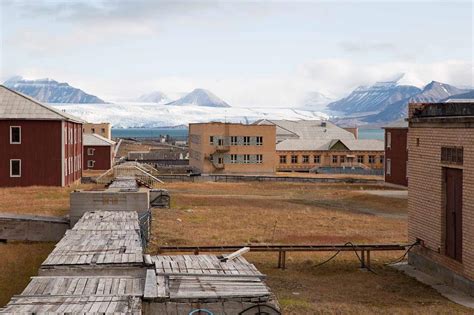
[
  {"x": 360, "y": 159},
  {"x": 388, "y": 170},
  {"x": 220, "y": 142},
  {"x": 220, "y": 160},
  {"x": 282, "y": 159},
  {"x": 452, "y": 155},
  {"x": 103, "y": 131},
  {"x": 259, "y": 140},
  {"x": 334, "y": 158},
  {"x": 15, "y": 135},
  {"x": 389, "y": 139},
  {"x": 417, "y": 142},
  {"x": 246, "y": 158},
  {"x": 246, "y": 140},
  {"x": 65, "y": 167},
  {"x": 93, "y": 130},
  {"x": 342, "y": 158},
  {"x": 211, "y": 140},
  {"x": 259, "y": 159},
  {"x": 15, "y": 168},
  {"x": 371, "y": 159},
  {"x": 90, "y": 151},
  {"x": 233, "y": 140},
  {"x": 233, "y": 158},
  {"x": 90, "y": 163},
  {"x": 381, "y": 159},
  {"x": 317, "y": 159},
  {"x": 305, "y": 158},
  {"x": 294, "y": 159}
]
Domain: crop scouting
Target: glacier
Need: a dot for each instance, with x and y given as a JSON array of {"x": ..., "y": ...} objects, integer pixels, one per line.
[{"x": 152, "y": 115}]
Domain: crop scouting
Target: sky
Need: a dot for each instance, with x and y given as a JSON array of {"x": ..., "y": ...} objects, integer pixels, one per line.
[{"x": 260, "y": 53}]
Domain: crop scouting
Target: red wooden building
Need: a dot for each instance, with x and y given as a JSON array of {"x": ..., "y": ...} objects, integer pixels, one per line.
[
  {"x": 396, "y": 153},
  {"x": 98, "y": 152},
  {"x": 39, "y": 145}
]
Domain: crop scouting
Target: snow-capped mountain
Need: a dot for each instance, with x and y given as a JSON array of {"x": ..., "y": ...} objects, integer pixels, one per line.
[
  {"x": 432, "y": 92},
  {"x": 315, "y": 100},
  {"x": 51, "y": 91},
  {"x": 200, "y": 97},
  {"x": 154, "y": 97},
  {"x": 139, "y": 115},
  {"x": 374, "y": 98}
]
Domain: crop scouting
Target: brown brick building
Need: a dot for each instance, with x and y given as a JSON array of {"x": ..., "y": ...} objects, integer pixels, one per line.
[
  {"x": 396, "y": 153},
  {"x": 230, "y": 148},
  {"x": 98, "y": 152},
  {"x": 441, "y": 190}
]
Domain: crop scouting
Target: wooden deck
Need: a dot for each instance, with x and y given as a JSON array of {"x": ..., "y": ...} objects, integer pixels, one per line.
[
  {"x": 102, "y": 237},
  {"x": 181, "y": 284}
]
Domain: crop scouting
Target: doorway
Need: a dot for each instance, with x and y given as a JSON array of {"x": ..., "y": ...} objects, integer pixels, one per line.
[{"x": 453, "y": 194}]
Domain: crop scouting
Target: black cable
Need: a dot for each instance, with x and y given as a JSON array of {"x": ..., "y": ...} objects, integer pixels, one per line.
[{"x": 404, "y": 255}]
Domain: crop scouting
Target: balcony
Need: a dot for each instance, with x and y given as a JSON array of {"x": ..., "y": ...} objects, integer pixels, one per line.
[{"x": 222, "y": 148}]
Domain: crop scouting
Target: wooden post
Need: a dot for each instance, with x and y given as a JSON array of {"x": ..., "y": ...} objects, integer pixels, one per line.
[
  {"x": 362, "y": 259},
  {"x": 279, "y": 259},
  {"x": 284, "y": 260},
  {"x": 368, "y": 259},
  {"x": 196, "y": 252}
]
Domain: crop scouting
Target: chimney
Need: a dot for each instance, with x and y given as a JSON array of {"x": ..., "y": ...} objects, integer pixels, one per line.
[{"x": 354, "y": 131}]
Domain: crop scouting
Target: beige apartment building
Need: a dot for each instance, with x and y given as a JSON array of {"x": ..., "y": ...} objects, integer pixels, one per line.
[
  {"x": 101, "y": 129},
  {"x": 441, "y": 191},
  {"x": 232, "y": 148}
]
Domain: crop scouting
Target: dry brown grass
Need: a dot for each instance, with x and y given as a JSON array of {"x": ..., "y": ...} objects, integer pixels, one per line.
[
  {"x": 19, "y": 261},
  {"x": 37, "y": 200},
  {"x": 240, "y": 213}
]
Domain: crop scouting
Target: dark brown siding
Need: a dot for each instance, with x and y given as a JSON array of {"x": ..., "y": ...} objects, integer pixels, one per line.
[
  {"x": 39, "y": 151},
  {"x": 72, "y": 152},
  {"x": 398, "y": 156},
  {"x": 102, "y": 157}
]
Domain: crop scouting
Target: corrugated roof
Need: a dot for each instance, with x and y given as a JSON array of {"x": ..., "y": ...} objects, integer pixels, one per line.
[
  {"x": 92, "y": 139},
  {"x": 15, "y": 105},
  {"x": 325, "y": 145},
  {"x": 402, "y": 123},
  {"x": 307, "y": 129}
]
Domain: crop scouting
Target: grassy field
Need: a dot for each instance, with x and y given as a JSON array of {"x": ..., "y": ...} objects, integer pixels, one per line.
[
  {"x": 20, "y": 261},
  {"x": 242, "y": 213}
]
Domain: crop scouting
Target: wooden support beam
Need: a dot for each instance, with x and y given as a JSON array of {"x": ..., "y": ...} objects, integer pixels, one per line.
[
  {"x": 362, "y": 259},
  {"x": 368, "y": 259},
  {"x": 235, "y": 254},
  {"x": 151, "y": 286}
]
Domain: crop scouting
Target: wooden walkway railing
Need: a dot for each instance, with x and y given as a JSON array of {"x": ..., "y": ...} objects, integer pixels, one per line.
[{"x": 364, "y": 249}]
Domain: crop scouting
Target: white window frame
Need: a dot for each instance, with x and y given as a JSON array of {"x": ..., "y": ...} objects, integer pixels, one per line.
[
  {"x": 234, "y": 140},
  {"x": 11, "y": 168},
  {"x": 259, "y": 158},
  {"x": 90, "y": 151},
  {"x": 90, "y": 163},
  {"x": 233, "y": 158},
  {"x": 389, "y": 139},
  {"x": 259, "y": 140},
  {"x": 388, "y": 165},
  {"x": 246, "y": 140},
  {"x": 246, "y": 158},
  {"x": 11, "y": 134}
]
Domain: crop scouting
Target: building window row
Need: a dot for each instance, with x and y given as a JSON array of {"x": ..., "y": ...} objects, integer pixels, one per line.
[
  {"x": 236, "y": 140},
  {"x": 245, "y": 159},
  {"x": 316, "y": 159}
]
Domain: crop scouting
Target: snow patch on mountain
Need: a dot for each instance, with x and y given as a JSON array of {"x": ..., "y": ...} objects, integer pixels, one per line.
[
  {"x": 200, "y": 97},
  {"x": 50, "y": 91},
  {"x": 154, "y": 97}
]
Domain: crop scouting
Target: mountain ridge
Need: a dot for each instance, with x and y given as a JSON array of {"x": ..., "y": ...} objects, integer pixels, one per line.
[
  {"x": 200, "y": 97},
  {"x": 51, "y": 91}
]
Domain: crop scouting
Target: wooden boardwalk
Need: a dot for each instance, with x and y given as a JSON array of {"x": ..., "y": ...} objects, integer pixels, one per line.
[{"x": 182, "y": 284}]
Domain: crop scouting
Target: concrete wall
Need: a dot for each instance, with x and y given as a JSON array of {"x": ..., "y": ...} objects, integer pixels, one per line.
[
  {"x": 15, "y": 227},
  {"x": 108, "y": 200}
]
